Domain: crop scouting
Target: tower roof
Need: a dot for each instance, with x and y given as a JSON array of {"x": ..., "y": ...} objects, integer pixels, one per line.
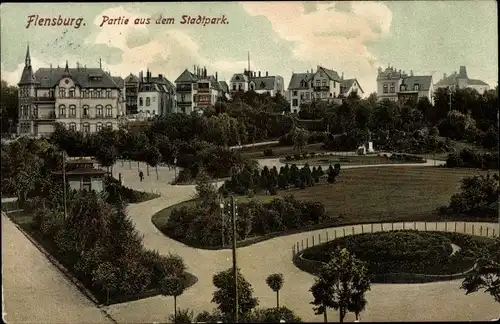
[{"x": 27, "y": 77}]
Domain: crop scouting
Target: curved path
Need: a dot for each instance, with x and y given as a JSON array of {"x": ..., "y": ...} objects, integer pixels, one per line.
[{"x": 395, "y": 302}]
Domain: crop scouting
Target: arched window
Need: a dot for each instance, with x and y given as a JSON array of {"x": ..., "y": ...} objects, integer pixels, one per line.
[
  {"x": 386, "y": 88},
  {"x": 109, "y": 111},
  {"x": 85, "y": 111},
  {"x": 108, "y": 93},
  {"x": 141, "y": 103},
  {"x": 109, "y": 125},
  {"x": 62, "y": 111},
  {"x": 98, "y": 110},
  {"x": 86, "y": 128},
  {"x": 91, "y": 93},
  {"x": 416, "y": 87},
  {"x": 148, "y": 101},
  {"x": 72, "y": 110},
  {"x": 72, "y": 126},
  {"x": 62, "y": 92},
  {"x": 98, "y": 127},
  {"x": 72, "y": 92}
]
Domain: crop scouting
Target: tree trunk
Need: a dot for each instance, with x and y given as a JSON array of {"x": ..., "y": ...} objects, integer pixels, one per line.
[
  {"x": 112, "y": 170},
  {"x": 130, "y": 164},
  {"x": 157, "y": 176},
  {"x": 137, "y": 166},
  {"x": 277, "y": 299},
  {"x": 122, "y": 163},
  {"x": 147, "y": 169},
  {"x": 175, "y": 309},
  {"x": 325, "y": 316},
  {"x": 357, "y": 316},
  {"x": 341, "y": 315}
]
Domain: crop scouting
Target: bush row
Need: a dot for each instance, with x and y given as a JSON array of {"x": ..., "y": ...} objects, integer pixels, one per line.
[
  {"x": 468, "y": 158},
  {"x": 204, "y": 226},
  {"x": 116, "y": 192},
  {"x": 407, "y": 158}
]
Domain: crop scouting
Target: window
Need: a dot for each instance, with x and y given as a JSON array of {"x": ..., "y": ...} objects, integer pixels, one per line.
[
  {"x": 307, "y": 95},
  {"x": 72, "y": 126},
  {"x": 183, "y": 98},
  {"x": 72, "y": 110},
  {"x": 103, "y": 93},
  {"x": 234, "y": 86},
  {"x": 109, "y": 125},
  {"x": 35, "y": 111},
  {"x": 402, "y": 87},
  {"x": 62, "y": 92},
  {"x": 72, "y": 92},
  {"x": 239, "y": 86},
  {"x": 98, "y": 93},
  {"x": 62, "y": 111},
  {"x": 154, "y": 99},
  {"x": 318, "y": 83},
  {"x": 98, "y": 110},
  {"x": 148, "y": 101},
  {"x": 323, "y": 83},
  {"x": 416, "y": 87},
  {"x": 393, "y": 88},
  {"x": 141, "y": 103},
  {"x": 86, "y": 111},
  {"x": 86, "y": 128},
  {"x": 295, "y": 102},
  {"x": 98, "y": 126},
  {"x": 22, "y": 110},
  {"x": 86, "y": 184},
  {"x": 109, "y": 110},
  {"x": 385, "y": 88},
  {"x": 295, "y": 92},
  {"x": 86, "y": 93},
  {"x": 108, "y": 93}
]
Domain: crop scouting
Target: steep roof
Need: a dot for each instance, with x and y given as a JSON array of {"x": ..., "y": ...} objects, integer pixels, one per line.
[
  {"x": 224, "y": 86},
  {"x": 50, "y": 77},
  {"x": 186, "y": 76},
  {"x": 425, "y": 82},
  {"x": 119, "y": 81},
  {"x": 239, "y": 77},
  {"x": 131, "y": 79},
  {"x": 295, "y": 80},
  {"x": 476, "y": 82},
  {"x": 264, "y": 83},
  {"x": 453, "y": 79},
  {"x": 333, "y": 75},
  {"x": 347, "y": 84}
]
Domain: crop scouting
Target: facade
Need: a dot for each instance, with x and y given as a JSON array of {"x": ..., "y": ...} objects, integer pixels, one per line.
[
  {"x": 79, "y": 98},
  {"x": 461, "y": 80},
  {"x": 398, "y": 86},
  {"x": 197, "y": 91},
  {"x": 324, "y": 85},
  {"x": 253, "y": 81},
  {"x": 156, "y": 95},
  {"x": 131, "y": 91}
]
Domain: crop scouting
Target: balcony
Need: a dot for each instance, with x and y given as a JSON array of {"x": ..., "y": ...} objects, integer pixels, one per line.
[
  {"x": 321, "y": 88},
  {"x": 44, "y": 99}
]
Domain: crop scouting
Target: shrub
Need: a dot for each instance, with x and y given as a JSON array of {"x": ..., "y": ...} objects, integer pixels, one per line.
[
  {"x": 288, "y": 158},
  {"x": 471, "y": 159},
  {"x": 302, "y": 185},
  {"x": 268, "y": 152},
  {"x": 297, "y": 157}
]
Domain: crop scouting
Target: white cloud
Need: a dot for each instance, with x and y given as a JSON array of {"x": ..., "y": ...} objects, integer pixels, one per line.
[
  {"x": 334, "y": 39},
  {"x": 168, "y": 52}
]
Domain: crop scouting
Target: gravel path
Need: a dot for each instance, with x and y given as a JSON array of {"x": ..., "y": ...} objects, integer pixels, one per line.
[
  {"x": 396, "y": 302},
  {"x": 34, "y": 290}
]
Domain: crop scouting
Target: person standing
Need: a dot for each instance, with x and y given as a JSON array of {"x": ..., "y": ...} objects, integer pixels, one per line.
[{"x": 141, "y": 175}]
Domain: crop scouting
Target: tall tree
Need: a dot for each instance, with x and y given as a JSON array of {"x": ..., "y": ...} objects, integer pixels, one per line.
[
  {"x": 9, "y": 107},
  {"x": 275, "y": 282},
  {"x": 339, "y": 282}
]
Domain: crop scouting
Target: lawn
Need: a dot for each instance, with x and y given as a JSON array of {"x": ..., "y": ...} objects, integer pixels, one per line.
[
  {"x": 278, "y": 151},
  {"x": 366, "y": 195},
  {"x": 345, "y": 160}
]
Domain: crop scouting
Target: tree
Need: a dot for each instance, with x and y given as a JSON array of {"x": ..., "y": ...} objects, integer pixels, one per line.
[
  {"x": 172, "y": 286},
  {"x": 153, "y": 157},
  {"x": 9, "y": 107},
  {"x": 205, "y": 189},
  {"x": 224, "y": 295},
  {"x": 107, "y": 156},
  {"x": 340, "y": 281},
  {"x": 184, "y": 316},
  {"x": 486, "y": 275},
  {"x": 275, "y": 282},
  {"x": 300, "y": 137},
  {"x": 106, "y": 276}
]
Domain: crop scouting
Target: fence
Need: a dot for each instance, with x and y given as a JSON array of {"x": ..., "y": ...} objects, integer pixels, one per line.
[{"x": 313, "y": 266}]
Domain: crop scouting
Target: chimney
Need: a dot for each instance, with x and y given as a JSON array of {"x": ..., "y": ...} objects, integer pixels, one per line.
[
  {"x": 267, "y": 73},
  {"x": 444, "y": 75},
  {"x": 411, "y": 72},
  {"x": 194, "y": 69},
  {"x": 259, "y": 73},
  {"x": 216, "y": 76},
  {"x": 342, "y": 77},
  {"x": 160, "y": 76}
]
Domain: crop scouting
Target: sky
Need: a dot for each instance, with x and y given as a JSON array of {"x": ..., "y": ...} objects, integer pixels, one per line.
[{"x": 350, "y": 37}]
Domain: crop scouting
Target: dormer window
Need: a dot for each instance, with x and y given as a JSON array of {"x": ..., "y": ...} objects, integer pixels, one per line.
[
  {"x": 72, "y": 92},
  {"x": 416, "y": 87},
  {"x": 62, "y": 92},
  {"x": 237, "y": 78}
]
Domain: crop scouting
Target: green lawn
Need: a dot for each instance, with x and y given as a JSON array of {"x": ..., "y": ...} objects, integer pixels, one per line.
[
  {"x": 345, "y": 160},
  {"x": 366, "y": 195}
]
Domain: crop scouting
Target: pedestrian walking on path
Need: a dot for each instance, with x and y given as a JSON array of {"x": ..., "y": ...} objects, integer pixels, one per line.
[{"x": 141, "y": 175}]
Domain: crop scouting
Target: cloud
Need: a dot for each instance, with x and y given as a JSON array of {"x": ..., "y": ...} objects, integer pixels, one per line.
[
  {"x": 166, "y": 51},
  {"x": 325, "y": 34}
]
